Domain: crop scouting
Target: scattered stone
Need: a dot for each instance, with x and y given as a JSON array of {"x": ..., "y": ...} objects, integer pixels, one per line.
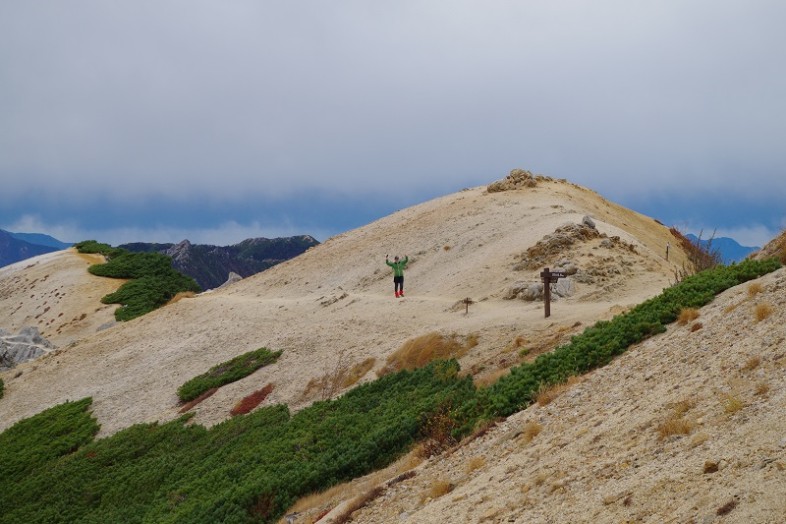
[{"x": 587, "y": 221}]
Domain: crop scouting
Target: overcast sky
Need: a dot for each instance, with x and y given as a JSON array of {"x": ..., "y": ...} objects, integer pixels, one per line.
[{"x": 159, "y": 120}]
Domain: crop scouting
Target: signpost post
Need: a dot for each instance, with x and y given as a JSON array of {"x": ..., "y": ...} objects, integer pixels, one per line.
[{"x": 549, "y": 277}]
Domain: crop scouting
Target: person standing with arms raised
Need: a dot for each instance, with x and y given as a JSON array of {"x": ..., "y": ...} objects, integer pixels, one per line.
[{"x": 398, "y": 265}]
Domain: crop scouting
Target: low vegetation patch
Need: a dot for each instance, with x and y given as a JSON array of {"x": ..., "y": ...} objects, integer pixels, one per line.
[
  {"x": 674, "y": 426},
  {"x": 418, "y": 352},
  {"x": 687, "y": 316},
  {"x": 437, "y": 489},
  {"x": 762, "y": 388},
  {"x": 475, "y": 463},
  {"x": 731, "y": 403},
  {"x": 438, "y": 431},
  {"x": 752, "y": 363},
  {"x": 677, "y": 424},
  {"x": 547, "y": 393},
  {"x": 762, "y": 311},
  {"x": 2, "y": 388},
  {"x": 226, "y": 372},
  {"x": 530, "y": 430},
  {"x": 152, "y": 282},
  {"x": 251, "y": 401},
  {"x": 246, "y": 469}
]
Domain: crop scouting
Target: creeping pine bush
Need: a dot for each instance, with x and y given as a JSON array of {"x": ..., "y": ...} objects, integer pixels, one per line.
[
  {"x": 153, "y": 281},
  {"x": 93, "y": 247},
  {"x": 250, "y": 468},
  {"x": 2, "y": 387},
  {"x": 226, "y": 372}
]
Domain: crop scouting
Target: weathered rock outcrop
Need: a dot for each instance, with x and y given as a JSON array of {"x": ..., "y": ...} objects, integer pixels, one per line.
[
  {"x": 27, "y": 345},
  {"x": 517, "y": 179}
]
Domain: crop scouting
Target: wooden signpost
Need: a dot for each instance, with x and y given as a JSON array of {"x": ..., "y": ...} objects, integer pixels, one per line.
[
  {"x": 549, "y": 277},
  {"x": 467, "y": 301}
]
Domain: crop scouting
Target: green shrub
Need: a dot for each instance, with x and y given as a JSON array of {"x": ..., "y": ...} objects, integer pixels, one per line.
[
  {"x": 153, "y": 282},
  {"x": 29, "y": 446},
  {"x": 247, "y": 469},
  {"x": 2, "y": 387},
  {"x": 224, "y": 373},
  {"x": 93, "y": 247}
]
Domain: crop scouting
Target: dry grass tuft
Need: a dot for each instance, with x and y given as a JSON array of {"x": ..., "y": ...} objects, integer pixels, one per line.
[
  {"x": 762, "y": 311},
  {"x": 475, "y": 463},
  {"x": 731, "y": 403},
  {"x": 180, "y": 296},
  {"x": 754, "y": 289},
  {"x": 438, "y": 488},
  {"x": 357, "y": 372},
  {"x": 687, "y": 315},
  {"x": 251, "y": 401},
  {"x": 531, "y": 430},
  {"x": 752, "y": 363},
  {"x": 674, "y": 426},
  {"x": 762, "y": 388},
  {"x": 418, "y": 352},
  {"x": 547, "y": 394},
  {"x": 316, "y": 505},
  {"x": 487, "y": 379}
]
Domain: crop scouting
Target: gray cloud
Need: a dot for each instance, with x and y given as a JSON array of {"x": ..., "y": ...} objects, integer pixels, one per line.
[{"x": 241, "y": 98}]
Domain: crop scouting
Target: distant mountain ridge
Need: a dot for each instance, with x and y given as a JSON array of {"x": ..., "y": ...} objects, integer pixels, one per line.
[
  {"x": 14, "y": 247},
  {"x": 728, "y": 248},
  {"x": 41, "y": 239},
  {"x": 211, "y": 265}
]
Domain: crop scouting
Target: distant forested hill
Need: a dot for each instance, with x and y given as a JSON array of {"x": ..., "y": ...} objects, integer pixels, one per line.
[{"x": 210, "y": 265}]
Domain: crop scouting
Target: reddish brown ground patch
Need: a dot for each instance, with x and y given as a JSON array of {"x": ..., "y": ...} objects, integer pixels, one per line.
[{"x": 251, "y": 401}]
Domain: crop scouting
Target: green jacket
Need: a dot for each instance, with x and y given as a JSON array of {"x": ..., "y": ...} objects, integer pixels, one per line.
[{"x": 398, "y": 267}]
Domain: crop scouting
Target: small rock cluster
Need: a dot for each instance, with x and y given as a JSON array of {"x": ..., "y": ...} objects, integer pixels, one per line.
[
  {"x": 517, "y": 179},
  {"x": 556, "y": 244}
]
